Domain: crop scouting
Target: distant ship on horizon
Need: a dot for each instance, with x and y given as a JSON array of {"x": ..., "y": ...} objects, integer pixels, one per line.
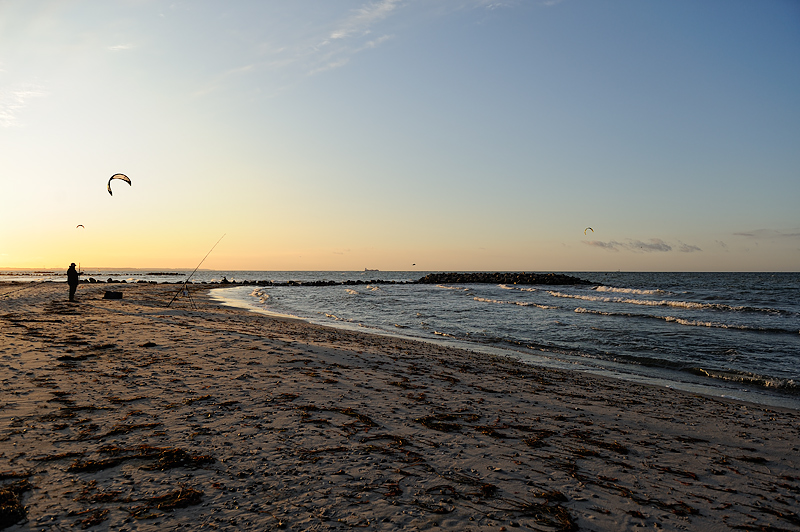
[{"x": 370, "y": 270}]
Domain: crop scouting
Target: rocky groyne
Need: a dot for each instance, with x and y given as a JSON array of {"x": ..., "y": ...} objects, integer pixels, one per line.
[{"x": 433, "y": 278}]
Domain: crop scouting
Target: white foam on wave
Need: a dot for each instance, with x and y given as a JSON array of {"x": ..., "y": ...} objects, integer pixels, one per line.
[
  {"x": 337, "y": 318},
  {"x": 506, "y": 287},
  {"x": 262, "y": 296},
  {"x": 351, "y": 291},
  {"x": 650, "y": 302},
  {"x": 519, "y": 303},
  {"x": 461, "y": 288},
  {"x": 670, "y": 319},
  {"x": 628, "y": 290}
]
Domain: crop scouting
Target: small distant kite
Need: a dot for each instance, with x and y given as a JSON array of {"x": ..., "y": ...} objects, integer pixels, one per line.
[
  {"x": 79, "y": 225},
  {"x": 123, "y": 177},
  {"x": 588, "y": 229}
]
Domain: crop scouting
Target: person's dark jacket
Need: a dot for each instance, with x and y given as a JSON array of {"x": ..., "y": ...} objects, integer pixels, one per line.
[{"x": 72, "y": 277}]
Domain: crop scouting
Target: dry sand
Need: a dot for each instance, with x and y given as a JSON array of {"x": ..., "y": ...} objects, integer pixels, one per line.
[{"x": 127, "y": 415}]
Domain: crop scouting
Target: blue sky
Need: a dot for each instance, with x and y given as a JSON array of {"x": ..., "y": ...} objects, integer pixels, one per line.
[{"x": 452, "y": 135}]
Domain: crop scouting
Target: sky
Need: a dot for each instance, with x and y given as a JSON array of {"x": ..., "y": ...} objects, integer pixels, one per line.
[{"x": 401, "y": 134}]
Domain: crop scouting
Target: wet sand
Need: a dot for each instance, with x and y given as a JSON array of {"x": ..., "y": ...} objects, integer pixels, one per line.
[{"x": 128, "y": 415}]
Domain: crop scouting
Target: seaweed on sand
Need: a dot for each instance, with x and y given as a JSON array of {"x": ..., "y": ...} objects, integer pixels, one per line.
[
  {"x": 11, "y": 509},
  {"x": 180, "y": 498},
  {"x": 172, "y": 458},
  {"x": 444, "y": 422},
  {"x": 89, "y": 466},
  {"x": 165, "y": 458},
  {"x": 548, "y": 513},
  {"x": 94, "y": 516}
]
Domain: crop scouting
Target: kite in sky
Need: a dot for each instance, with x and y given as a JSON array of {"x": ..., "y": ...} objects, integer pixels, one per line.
[
  {"x": 79, "y": 225},
  {"x": 123, "y": 177},
  {"x": 588, "y": 229}
]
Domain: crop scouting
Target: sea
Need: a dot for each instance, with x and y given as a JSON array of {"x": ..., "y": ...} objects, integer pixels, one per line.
[{"x": 731, "y": 335}]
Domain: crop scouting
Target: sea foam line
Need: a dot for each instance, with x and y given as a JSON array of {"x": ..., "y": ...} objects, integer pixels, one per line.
[
  {"x": 519, "y": 303},
  {"x": 682, "y": 321},
  {"x": 506, "y": 287},
  {"x": 664, "y": 303},
  {"x": 629, "y": 290}
]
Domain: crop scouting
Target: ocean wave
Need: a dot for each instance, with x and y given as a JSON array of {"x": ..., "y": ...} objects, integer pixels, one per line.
[
  {"x": 337, "y": 318},
  {"x": 507, "y": 287},
  {"x": 692, "y": 323},
  {"x": 262, "y": 296},
  {"x": 629, "y": 290},
  {"x": 519, "y": 303},
  {"x": 666, "y": 303},
  {"x": 459, "y": 288},
  {"x": 351, "y": 291},
  {"x": 752, "y": 379}
]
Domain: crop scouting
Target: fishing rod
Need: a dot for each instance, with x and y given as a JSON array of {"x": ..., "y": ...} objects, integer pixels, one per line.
[{"x": 195, "y": 270}]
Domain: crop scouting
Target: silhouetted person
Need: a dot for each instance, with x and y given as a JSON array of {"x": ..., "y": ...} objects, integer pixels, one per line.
[{"x": 72, "y": 281}]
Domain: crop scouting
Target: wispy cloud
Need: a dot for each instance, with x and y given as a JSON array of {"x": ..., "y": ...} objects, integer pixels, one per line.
[
  {"x": 771, "y": 234},
  {"x": 364, "y": 18},
  {"x": 12, "y": 101},
  {"x": 688, "y": 248},
  {"x": 283, "y": 56},
  {"x": 353, "y": 34},
  {"x": 120, "y": 47},
  {"x": 653, "y": 245},
  {"x": 321, "y": 47}
]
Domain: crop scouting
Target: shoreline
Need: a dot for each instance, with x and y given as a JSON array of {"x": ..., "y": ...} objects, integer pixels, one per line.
[
  {"x": 111, "y": 407},
  {"x": 688, "y": 382}
]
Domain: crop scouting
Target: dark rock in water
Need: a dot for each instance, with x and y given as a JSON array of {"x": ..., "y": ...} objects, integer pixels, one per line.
[
  {"x": 501, "y": 278},
  {"x": 112, "y": 295}
]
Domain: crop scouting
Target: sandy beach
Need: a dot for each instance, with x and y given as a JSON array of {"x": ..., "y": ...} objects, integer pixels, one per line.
[{"x": 129, "y": 415}]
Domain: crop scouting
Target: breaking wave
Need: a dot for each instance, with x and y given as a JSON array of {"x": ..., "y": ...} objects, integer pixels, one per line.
[
  {"x": 752, "y": 379},
  {"x": 684, "y": 321},
  {"x": 506, "y": 287},
  {"x": 629, "y": 290},
  {"x": 519, "y": 303},
  {"x": 667, "y": 303}
]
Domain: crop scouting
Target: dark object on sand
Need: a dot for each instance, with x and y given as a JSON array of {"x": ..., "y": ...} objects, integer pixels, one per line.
[
  {"x": 11, "y": 507},
  {"x": 112, "y": 295}
]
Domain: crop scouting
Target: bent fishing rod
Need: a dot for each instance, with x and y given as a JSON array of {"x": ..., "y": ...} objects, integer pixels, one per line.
[{"x": 195, "y": 270}]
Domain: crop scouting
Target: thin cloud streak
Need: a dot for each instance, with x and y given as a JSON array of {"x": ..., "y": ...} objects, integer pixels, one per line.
[
  {"x": 364, "y": 18},
  {"x": 653, "y": 245},
  {"x": 13, "y": 101},
  {"x": 761, "y": 234}
]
